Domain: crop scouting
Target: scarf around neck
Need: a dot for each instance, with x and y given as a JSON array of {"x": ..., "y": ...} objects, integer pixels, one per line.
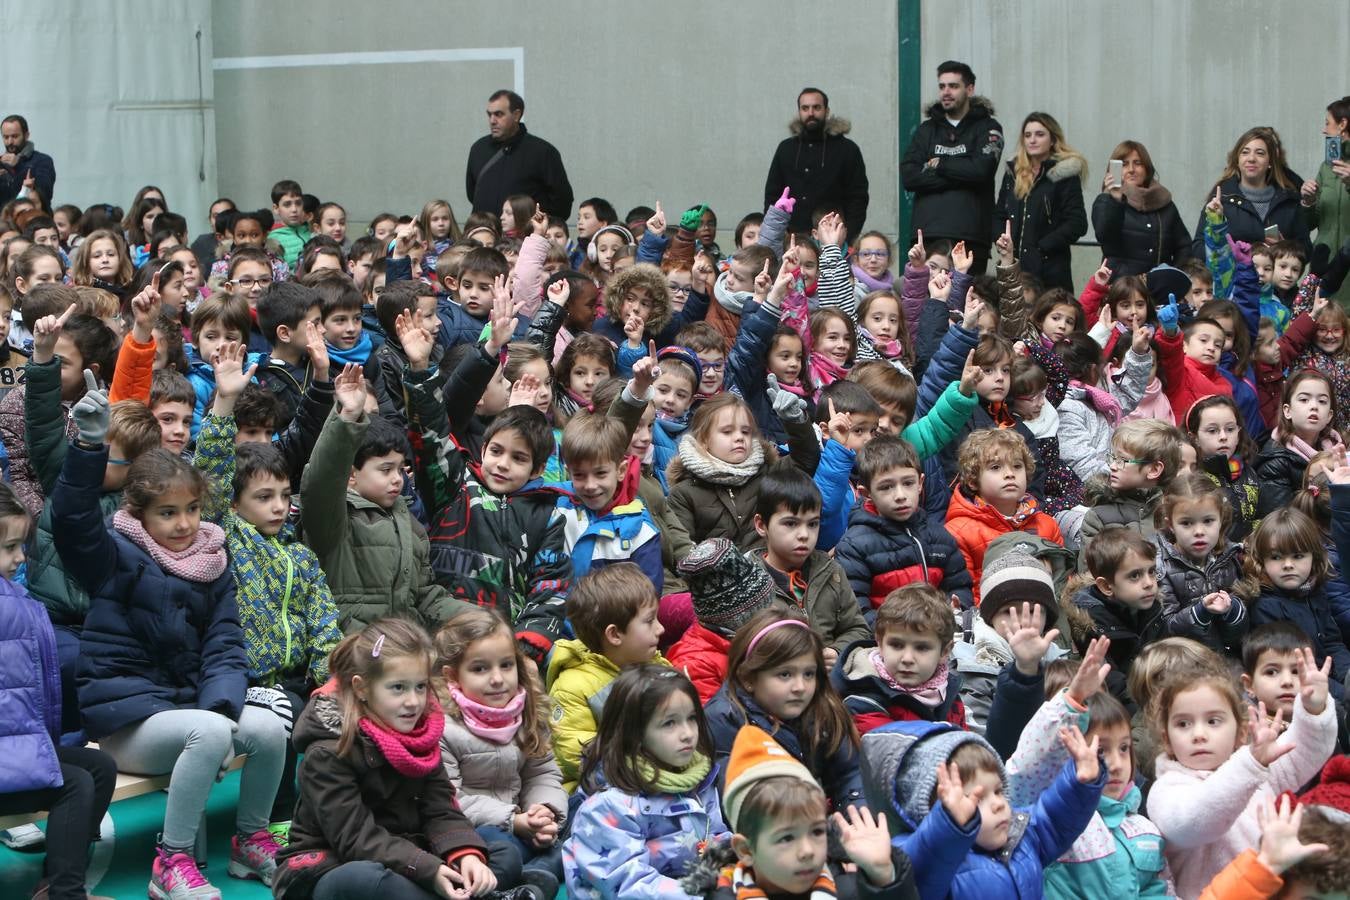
[
  {"x": 741, "y": 882},
  {"x": 415, "y": 754},
  {"x": 1302, "y": 447},
  {"x": 703, "y": 465},
  {"x": 668, "y": 782},
  {"x": 825, "y": 372},
  {"x": 732, "y": 301},
  {"x": 357, "y": 354},
  {"x": 930, "y": 693},
  {"x": 202, "y": 562},
  {"x": 497, "y": 725},
  {"x": 1100, "y": 400},
  {"x": 889, "y": 348},
  {"x": 885, "y": 283}
]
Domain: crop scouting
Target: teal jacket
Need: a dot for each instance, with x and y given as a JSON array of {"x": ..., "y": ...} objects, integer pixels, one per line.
[
  {"x": 292, "y": 240},
  {"x": 1120, "y": 854}
]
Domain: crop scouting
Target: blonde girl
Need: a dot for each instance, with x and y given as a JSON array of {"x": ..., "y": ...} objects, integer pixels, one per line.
[
  {"x": 102, "y": 261},
  {"x": 438, "y": 227}
]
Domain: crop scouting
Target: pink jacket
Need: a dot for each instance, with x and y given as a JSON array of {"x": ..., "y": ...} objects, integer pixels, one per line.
[
  {"x": 528, "y": 291},
  {"x": 1208, "y": 818},
  {"x": 1153, "y": 405}
]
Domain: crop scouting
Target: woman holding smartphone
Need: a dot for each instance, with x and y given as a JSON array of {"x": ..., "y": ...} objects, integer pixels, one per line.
[
  {"x": 1259, "y": 193},
  {"x": 1327, "y": 200},
  {"x": 1134, "y": 217}
]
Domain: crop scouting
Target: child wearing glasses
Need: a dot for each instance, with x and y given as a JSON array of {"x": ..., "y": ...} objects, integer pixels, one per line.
[{"x": 1144, "y": 458}]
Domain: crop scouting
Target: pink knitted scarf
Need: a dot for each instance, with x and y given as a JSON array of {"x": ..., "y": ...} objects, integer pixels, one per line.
[
  {"x": 202, "y": 562},
  {"x": 414, "y": 754},
  {"x": 491, "y": 723},
  {"x": 888, "y": 348},
  {"x": 1101, "y": 401},
  {"x": 930, "y": 693}
]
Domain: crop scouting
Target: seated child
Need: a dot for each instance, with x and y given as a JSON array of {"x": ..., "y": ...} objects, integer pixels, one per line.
[
  {"x": 1307, "y": 424},
  {"x": 890, "y": 541},
  {"x": 804, "y": 577},
  {"x": 217, "y": 319},
  {"x": 711, "y": 348},
  {"x": 288, "y": 315},
  {"x": 613, "y": 612},
  {"x": 1272, "y": 655},
  {"x": 1189, "y": 358},
  {"x": 650, "y": 792},
  {"x": 1199, "y": 569},
  {"x": 1226, "y": 454},
  {"x": 903, "y": 674},
  {"x": 1220, "y": 762},
  {"x": 1300, "y": 856},
  {"x": 992, "y": 498},
  {"x": 1089, "y": 413},
  {"x": 1122, "y": 598},
  {"x": 1145, "y": 456},
  {"x": 172, "y": 399},
  {"x": 948, "y": 790},
  {"x": 348, "y": 342},
  {"x": 777, "y": 681},
  {"x": 727, "y": 590},
  {"x": 773, "y": 802},
  {"x": 415, "y": 299}
]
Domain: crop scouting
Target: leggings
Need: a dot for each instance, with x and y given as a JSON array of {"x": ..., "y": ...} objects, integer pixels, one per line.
[
  {"x": 364, "y": 879},
  {"x": 74, "y": 812},
  {"x": 195, "y": 744}
]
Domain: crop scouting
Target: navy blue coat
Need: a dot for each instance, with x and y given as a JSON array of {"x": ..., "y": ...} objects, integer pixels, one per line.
[
  {"x": 152, "y": 641},
  {"x": 1339, "y": 593},
  {"x": 880, "y": 555},
  {"x": 457, "y": 326},
  {"x": 30, "y": 694},
  {"x": 1311, "y": 612}
]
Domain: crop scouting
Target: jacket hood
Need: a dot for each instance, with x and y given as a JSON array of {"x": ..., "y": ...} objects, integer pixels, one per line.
[
  {"x": 899, "y": 767},
  {"x": 1147, "y": 199},
  {"x": 834, "y": 127},
  {"x": 1097, "y": 490},
  {"x": 647, "y": 276},
  {"x": 980, "y": 108},
  {"x": 321, "y": 720},
  {"x": 1061, "y": 167}
]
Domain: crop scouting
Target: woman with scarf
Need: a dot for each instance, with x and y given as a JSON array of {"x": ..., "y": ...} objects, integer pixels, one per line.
[{"x": 1136, "y": 221}]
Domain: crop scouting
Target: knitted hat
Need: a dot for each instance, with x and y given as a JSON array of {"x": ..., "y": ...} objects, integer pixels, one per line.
[
  {"x": 1331, "y": 794},
  {"x": 1016, "y": 577},
  {"x": 899, "y": 767},
  {"x": 726, "y": 588},
  {"x": 754, "y": 757},
  {"x": 1163, "y": 280}
]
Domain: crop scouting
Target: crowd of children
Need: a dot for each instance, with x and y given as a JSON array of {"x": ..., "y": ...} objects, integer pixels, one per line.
[{"x": 514, "y": 562}]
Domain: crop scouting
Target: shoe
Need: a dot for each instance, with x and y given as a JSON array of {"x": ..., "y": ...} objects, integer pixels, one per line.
[
  {"x": 523, "y": 892},
  {"x": 175, "y": 876},
  {"x": 544, "y": 880},
  {"x": 254, "y": 856},
  {"x": 28, "y": 838},
  {"x": 281, "y": 833}
]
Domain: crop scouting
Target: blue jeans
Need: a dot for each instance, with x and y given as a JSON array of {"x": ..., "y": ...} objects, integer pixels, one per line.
[{"x": 509, "y": 856}]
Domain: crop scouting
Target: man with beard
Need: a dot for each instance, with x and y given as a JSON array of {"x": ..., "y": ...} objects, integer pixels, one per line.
[
  {"x": 951, "y": 163},
  {"x": 820, "y": 167},
  {"x": 21, "y": 162}
]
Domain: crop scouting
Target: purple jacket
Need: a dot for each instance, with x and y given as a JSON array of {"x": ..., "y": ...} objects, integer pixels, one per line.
[{"x": 30, "y": 694}]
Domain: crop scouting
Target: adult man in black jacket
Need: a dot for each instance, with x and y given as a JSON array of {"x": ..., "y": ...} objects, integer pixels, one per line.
[
  {"x": 509, "y": 160},
  {"x": 951, "y": 163},
  {"x": 819, "y": 166},
  {"x": 21, "y": 160}
]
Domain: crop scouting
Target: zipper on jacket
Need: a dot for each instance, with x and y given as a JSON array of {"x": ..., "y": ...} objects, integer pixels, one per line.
[{"x": 286, "y": 612}]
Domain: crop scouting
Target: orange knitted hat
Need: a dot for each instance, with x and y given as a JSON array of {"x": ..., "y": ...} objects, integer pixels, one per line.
[{"x": 756, "y": 756}]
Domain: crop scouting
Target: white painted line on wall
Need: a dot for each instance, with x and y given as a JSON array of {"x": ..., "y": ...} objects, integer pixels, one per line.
[{"x": 513, "y": 55}]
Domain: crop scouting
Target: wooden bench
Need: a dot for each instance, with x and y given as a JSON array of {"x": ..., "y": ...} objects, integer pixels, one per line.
[{"x": 128, "y": 786}]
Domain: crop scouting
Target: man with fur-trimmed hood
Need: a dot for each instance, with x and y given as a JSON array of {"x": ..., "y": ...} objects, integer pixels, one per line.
[
  {"x": 951, "y": 163},
  {"x": 819, "y": 167}
]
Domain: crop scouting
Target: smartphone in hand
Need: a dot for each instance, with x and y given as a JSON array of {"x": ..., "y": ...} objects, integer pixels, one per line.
[
  {"x": 1272, "y": 232},
  {"x": 1332, "y": 148},
  {"x": 1116, "y": 169}
]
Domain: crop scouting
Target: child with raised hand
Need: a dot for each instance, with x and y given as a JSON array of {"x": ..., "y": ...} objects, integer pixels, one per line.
[
  {"x": 779, "y": 849},
  {"x": 651, "y": 804},
  {"x": 377, "y": 814},
  {"x": 1226, "y": 454},
  {"x": 495, "y": 748},
  {"x": 75, "y": 784},
  {"x": 1221, "y": 760},
  {"x": 1286, "y": 555},
  {"x": 957, "y": 823},
  {"x": 1199, "y": 568},
  {"x": 162, "y": 595},
  {"x": 1189, "y": 358},
  {"x": 579, "y": 368},
  {"x": 777, "y": 680},
  {"x": 1307, "y": 424},
  {"x": 1089, "y": 412},
  {"x": 1283, "y": 859}
]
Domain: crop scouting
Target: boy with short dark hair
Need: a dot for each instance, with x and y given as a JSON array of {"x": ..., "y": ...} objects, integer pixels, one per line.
[
  {"x": 417, "y": 300},
  {"x": 291, "y": 230},
  {"x": 1188, "y": 359},
  {"x": 289, "y": 317},
  {"x": 593, "y": 214},
  {"x": 1272, "y": 657},
  {"x": 711, "y": 348},
  {"x": 890, "y": 541},
  {"x": 171, "y": 402},
  {"x": 613, "y": 611},
  {"x": 903, "y": 675}
]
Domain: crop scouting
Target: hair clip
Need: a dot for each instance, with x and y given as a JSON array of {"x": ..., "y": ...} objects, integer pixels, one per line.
[
  {"x": 379, "y": 645},
  {"x": 1314, "y": 489}
]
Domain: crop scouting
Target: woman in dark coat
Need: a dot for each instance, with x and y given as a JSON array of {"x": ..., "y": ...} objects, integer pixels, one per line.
[
  {"x": 1258, "y": 190},
  {"x": 1136, "y": 222}
]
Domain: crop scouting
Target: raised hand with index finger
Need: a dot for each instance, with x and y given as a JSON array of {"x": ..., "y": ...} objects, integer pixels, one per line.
[
  {"x": 645, "y": 373},
  {"x": 45, "y": 332},
  {"x": 657, "y": 223}
]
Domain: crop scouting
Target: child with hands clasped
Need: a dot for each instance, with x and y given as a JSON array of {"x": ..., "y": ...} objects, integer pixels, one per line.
[
  {"x": 163, "y": 671},
  {"x": 496, "y": 750},
  {"x": 1222, "y": 760},
  {"x": 651, "y": 806},
  {"x": 377, "y": 815}
]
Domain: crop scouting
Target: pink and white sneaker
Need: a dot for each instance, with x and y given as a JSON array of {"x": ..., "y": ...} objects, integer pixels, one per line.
[
  {"x": 254, "y": 856},
  {"x": 175, "y": 876}
]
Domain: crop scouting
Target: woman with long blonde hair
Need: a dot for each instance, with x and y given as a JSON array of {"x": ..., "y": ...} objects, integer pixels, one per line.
[{"x": 1041, "y": 200}]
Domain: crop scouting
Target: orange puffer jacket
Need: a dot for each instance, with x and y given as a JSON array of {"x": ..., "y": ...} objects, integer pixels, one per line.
[{"x": 975, "y": 524}]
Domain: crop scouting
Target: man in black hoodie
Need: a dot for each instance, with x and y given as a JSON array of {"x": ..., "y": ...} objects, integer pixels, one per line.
[
  {"x": 951, "y": 164},
  {"x": 819, "y": 166}
]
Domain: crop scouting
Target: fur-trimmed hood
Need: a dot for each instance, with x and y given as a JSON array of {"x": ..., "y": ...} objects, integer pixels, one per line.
[
  {"x": 1061, "y": 167},
  {"x": 834, "y": 127},
  {"x": 980, "y": 107},
  {"x": 640, "y": 275},
  {"x": 1147, "y": 199}
]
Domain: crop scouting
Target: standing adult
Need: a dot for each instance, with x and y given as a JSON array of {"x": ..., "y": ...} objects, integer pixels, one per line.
[
  {"x": 1136, "y": 221},
  {"x": 1328, "y": 198},
  {"x": 21, "y": 162},
  {"x": 951, "y": 164},
  {"x": 1042, "y": 198},
  {"x": 819, "y": 166},
  {"x": 509, "y": 160},
  {"x": 1258, "y": 190}
]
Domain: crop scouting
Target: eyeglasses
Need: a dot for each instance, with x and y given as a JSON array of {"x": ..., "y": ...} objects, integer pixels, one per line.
[
  {"x": 874, "y": 254},
  {"x": 1331, "y": 332},
  {"x": 1115, "y": 459},
  {"x": 678, "y": 288},
  {"x": 713, "y": 365},
  {"x": 248, "y": 282}
]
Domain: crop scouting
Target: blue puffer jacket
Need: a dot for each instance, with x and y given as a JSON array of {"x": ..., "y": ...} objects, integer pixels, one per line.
[
  {"x": 838, "y": 774},
  {"x": 30, "y": 694},
  {"x": 152, "y": 641},
  {"x": 838, "y": 497},
  {"x": 880, "y": 555}
]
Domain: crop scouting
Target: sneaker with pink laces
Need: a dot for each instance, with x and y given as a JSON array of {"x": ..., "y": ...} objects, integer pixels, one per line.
[
  {"x": 175, "y": 876},
  {"x": 254, "y": 856}
]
